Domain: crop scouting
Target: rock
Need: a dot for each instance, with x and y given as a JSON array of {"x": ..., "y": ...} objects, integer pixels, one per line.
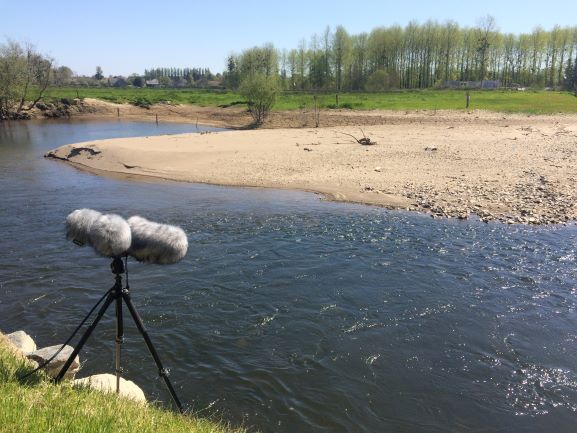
[
  {"x": 378, "y": 169},
  {"x": 22, "y": 341},
  {"x": 107, "y": 383},
  {"x": 54, "y": 366}
]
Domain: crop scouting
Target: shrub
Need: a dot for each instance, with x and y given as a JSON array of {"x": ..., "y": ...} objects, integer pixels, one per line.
[
  {"x": 141, "y": 102},
  {"x": 260, "y": 92}
]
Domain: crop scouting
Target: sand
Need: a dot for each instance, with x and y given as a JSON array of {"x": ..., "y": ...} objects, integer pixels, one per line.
[{"x": 512, "y": 168}]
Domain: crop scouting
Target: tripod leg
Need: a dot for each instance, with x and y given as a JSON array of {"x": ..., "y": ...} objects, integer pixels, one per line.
[
  {"x": 119, "y": 335},
  {"x": 161, "y": 370},
  {"x": 85, "y": 337}
]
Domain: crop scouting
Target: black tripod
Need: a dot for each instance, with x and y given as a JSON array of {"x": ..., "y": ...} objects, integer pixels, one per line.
[{"x": 119, "y": 294}]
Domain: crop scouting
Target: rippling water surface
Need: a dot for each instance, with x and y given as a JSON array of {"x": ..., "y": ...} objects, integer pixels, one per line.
[{"x": 291, "y": 314}]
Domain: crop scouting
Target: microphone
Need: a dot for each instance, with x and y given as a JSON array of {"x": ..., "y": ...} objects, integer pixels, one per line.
[
  {"x": 108, "y": 234},
  {"x": 156, "y": 243},
  {"x": 78, "y": 225}
]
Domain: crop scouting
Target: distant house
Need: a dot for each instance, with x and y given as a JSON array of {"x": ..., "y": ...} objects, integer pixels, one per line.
[
  {"x": 484, "y": 84},
  {"x": 152, "y": 83}
]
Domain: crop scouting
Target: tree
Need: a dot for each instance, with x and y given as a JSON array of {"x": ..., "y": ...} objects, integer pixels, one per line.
[
  {"x": 24, "y": 77},
  {"x": 232, "y": 74},
  {"x": 571, "y": 76},
  {"x": 260, "y": 92},
  {"x": 418, "y": 56},
  {"x": 485, "y": 37},
  {"x": 258, "y": 60},
  {"x": 99, "y": 75},
  {"x": 137, "y": 81},
  {"x": 62, "y": 75},
  {"x": 164, "y": 81},
  {"x": 341, "y": 53}
]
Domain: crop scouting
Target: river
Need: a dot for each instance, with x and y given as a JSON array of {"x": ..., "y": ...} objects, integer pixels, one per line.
[{"x": 291, "y": 314}]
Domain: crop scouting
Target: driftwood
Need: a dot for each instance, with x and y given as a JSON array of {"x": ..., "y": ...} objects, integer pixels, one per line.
[{"x": 365, "y": 141}]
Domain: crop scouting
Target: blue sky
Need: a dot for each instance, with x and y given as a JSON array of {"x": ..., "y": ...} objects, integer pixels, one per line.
[{"x": 127, "y": 36}]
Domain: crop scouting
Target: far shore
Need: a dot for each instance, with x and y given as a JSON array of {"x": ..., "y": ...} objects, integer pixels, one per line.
[{"x": 511, "y": 168}]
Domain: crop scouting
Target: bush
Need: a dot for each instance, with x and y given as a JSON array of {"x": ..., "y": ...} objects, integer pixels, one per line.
[
  {"x": 381, "y": 80},
  {"x": 260, "y": 92},
  {"x": 141, "y": 102}
]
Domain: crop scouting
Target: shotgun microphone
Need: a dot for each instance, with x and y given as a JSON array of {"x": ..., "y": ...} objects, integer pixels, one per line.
[
  {"x": 108, "y": 234},
  {"x": 112, "y": 236},
  {"x": 152, "y": 242},
  {"x": 78, "y": 225}
]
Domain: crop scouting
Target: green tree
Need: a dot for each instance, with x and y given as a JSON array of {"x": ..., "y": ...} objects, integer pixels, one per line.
[
  {"x": 260, "y": 92},
  {"x": 232, "y": 74},
  {"x": 99, "y": 75},
  {"x": 24, "y": 77},
  {"x": 137, "y": 81},
  {"x": 258, "y": 60},
  {"x": 341, "y": 54},
  {"x": 62, "y": 75}
]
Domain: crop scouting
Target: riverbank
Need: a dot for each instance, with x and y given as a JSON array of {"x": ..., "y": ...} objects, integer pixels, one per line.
[
  {"x": 511, "y": 168},
  {"x": 36, "y": 404}
]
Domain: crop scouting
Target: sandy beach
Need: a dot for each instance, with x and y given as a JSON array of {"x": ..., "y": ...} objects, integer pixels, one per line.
[{"x": 511, "y": 168}]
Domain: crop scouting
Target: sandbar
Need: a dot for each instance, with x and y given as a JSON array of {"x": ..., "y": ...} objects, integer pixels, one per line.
[{"x": 511, "y": 168}]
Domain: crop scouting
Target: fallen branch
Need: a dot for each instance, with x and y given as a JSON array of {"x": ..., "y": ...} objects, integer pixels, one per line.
[{"x": 365, "y": 141}]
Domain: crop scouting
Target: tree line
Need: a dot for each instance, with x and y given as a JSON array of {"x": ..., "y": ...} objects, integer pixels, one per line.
[
  {"x": 194, "y": 74},
  {"x": 417, "y": 56}
]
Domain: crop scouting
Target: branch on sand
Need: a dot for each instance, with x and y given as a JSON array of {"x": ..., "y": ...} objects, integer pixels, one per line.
[{"x": 365, "y": 141}]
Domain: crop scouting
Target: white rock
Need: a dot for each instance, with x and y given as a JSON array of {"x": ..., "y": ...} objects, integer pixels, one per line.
[
  {"x": 107, "y": 383},
  {"x": 54, "y": 366},
  {"x": 22, "y": 341}
]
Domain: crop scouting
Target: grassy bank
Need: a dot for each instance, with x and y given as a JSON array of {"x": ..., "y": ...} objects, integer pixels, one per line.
[
  {"x": 533, "y": 102},
  {"x": 38, "y": 405}
]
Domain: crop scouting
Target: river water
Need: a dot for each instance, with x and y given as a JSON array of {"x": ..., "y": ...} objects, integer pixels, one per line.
[{"x": 290, "y": 314}]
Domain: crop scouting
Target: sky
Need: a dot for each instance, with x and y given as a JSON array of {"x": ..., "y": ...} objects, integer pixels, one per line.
[{"x": 125, "y": 36}]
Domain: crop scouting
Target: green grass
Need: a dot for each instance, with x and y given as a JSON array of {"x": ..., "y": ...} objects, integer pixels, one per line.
[
  {"x": 206, "y": 98},
  {"x": 532, "y": 102},
  {"x": 535, "y": 102},
  {"x": 38, "y": 405}
]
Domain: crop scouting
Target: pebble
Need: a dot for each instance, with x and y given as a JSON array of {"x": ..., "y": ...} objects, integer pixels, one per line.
[{"x": 535, "y": 201}]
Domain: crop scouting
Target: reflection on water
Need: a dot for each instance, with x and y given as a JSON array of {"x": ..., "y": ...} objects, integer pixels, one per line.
[{"x": 291, "y": 314}]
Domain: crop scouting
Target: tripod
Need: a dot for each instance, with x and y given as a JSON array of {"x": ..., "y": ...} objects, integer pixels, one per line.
[{"x": 118, "y": 294}]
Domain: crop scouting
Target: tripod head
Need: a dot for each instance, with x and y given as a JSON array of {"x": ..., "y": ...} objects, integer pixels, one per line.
[{"x": 117, "y": 266}]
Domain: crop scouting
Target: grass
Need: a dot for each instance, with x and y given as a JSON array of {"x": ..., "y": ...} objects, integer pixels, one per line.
[
  {"x": 37, "y": 405},
  {"x": 205, "y": 98},
  {"x": 531, "y": 102}
]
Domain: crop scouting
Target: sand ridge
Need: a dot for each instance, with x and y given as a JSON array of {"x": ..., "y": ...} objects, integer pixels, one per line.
[{"x": 512, "y": 168}]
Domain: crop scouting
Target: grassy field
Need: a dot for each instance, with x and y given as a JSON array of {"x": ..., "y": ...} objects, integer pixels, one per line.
[
  {"x": 37, "y": 405},
  {"x": 535, "y": 102}
]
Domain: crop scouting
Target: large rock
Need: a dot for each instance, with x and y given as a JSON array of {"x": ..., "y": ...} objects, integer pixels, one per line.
[
  {"x": 54, "y": 366},
  {"x": 22, "y": 341},
  {"x": 107, "y": 383}
]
